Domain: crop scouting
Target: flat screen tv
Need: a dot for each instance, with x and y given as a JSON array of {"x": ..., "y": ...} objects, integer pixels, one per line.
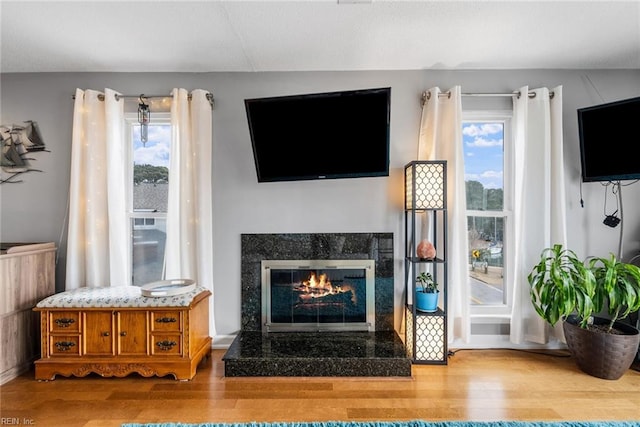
[
  {"x": 609, "y": 141},
  {"x": 321, "y": 135}
]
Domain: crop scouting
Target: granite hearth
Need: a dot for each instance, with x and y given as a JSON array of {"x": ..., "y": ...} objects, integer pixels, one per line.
[
  {"x": 312, "y": 354},
  {"x": 255, "y": 352}
]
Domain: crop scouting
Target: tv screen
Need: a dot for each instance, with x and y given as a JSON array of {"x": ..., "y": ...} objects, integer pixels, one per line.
[
  {"x": 321, "y": 136},
  {"x": 609, "y": 140}
]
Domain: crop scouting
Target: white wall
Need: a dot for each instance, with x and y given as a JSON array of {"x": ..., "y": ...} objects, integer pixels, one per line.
[{"x": 35, "y": 209}]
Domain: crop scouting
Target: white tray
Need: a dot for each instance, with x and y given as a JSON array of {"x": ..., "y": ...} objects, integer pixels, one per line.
[{"x": 165, "y": 288}]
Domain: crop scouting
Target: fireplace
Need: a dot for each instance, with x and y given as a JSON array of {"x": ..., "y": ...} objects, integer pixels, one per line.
[
  {"x": 318, "y": 295},
  {"x": 345, "y": 331}
]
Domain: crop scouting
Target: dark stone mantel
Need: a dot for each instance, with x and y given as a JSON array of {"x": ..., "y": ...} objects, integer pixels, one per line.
[{"x": 334, "y": 246}]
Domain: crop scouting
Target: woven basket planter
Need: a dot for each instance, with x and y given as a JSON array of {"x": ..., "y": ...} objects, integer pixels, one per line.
[{"x": 602, "y": 355}]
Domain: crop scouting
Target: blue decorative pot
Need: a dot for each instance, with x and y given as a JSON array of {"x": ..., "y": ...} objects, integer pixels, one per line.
[{"x": 427, "y": 301}]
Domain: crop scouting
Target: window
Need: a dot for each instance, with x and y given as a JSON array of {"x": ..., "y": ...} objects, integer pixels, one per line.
[
  {"x": 149, "y": 171},
  {"x": 487, "y": 151}
]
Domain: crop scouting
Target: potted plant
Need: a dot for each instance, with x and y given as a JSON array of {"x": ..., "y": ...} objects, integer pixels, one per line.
[
  {"x": 563, "y": 287},
  {"x": 427, "y": 294}
]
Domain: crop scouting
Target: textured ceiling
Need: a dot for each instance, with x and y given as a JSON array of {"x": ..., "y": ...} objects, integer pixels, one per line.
[{"x": 311, "y": 35}]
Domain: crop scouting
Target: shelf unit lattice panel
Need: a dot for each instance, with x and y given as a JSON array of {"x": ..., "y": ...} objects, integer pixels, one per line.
[{"x": 429, "y": 345}]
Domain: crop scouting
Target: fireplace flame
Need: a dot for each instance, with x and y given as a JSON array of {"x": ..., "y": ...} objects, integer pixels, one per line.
[
  {"x": 318, "y": 287},
  {"x": 321, "y": 282}
]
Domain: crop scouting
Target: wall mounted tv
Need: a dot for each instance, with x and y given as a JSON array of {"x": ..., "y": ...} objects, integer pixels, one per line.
[
  {"x": 320, "y": 135},
  {"x": 609, "y": 140}
]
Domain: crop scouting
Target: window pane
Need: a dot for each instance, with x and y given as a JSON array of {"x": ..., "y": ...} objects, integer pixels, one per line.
[
  {"x": 151, "y": 168},
  {"x": 148, "y": 250},
  {"x": 484, "y": 165},
  {"x": 486, "y": 260}
]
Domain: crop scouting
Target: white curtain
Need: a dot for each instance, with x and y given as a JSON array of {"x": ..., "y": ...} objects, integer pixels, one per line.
[
  {"x": 189, "y": 244},
  {"x": 98, "y": 251},
  {"x": 539, "y": 203},
  {"x": 441, "y": 139}
]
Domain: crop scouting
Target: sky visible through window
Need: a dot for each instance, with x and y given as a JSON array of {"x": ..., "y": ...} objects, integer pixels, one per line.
[
  {"x": 156, "y": 151},
  {"x": 483, "y": 153}
]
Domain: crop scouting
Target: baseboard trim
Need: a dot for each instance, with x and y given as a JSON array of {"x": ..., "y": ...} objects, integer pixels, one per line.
[
  {"x": 15, "y": 372},
  {"x": 222, "y": 342}
]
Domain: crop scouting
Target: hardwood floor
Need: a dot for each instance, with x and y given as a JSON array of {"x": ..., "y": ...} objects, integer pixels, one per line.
[{"x": 475, "y": 385}]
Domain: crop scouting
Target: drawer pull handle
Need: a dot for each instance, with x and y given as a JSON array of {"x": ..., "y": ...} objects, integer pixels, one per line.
[
  {"x": 166, "y": 345},
  {"x": 166, "y": 320},
  {"x": 106, "y": 334},
  {"x": 64, "y": 345},
  {"x": 123, "y": 333},
  {"x": 64, "y": 322}
]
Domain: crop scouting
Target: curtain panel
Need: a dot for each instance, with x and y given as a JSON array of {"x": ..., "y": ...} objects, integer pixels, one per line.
[
  {"x": 189, "y": 244},
  {"x": 539, "y": 202},
  {"x": 98, "y": 249},
  {"x": 441, "y": 139}
]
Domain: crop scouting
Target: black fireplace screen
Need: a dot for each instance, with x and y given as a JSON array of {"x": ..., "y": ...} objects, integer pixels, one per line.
[{"x": 304, "y": 297}]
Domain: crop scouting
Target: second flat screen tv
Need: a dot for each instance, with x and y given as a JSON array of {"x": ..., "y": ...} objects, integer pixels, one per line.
[
  {"x": 320, "y": 136},
  {"x": 609, "y": 141}
]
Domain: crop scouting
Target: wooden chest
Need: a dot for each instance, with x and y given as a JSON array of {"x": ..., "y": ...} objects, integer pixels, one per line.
[{"x": 116, "y": 332}]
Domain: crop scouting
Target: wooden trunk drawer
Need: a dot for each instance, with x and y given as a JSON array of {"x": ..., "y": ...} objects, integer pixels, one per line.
[
  {"x": 64, "y": 321},
  {"x": 166, "y": 345},
  {"x": 170, "y": 321},
  {"x": 64, "y": 345}
]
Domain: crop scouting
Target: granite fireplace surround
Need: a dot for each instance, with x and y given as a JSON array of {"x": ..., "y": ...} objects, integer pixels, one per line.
[{"x": 324, "y": 353}]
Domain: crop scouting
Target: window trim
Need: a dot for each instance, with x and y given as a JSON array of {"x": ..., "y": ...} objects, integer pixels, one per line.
[{"x": 480, "y": 313}]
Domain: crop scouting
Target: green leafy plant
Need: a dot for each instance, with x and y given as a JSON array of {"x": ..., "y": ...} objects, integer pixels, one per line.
[
  {"x": 427, "y": 283},
  {"x": 617, "y": 287},
  {"x": 562, "y": 284}
]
